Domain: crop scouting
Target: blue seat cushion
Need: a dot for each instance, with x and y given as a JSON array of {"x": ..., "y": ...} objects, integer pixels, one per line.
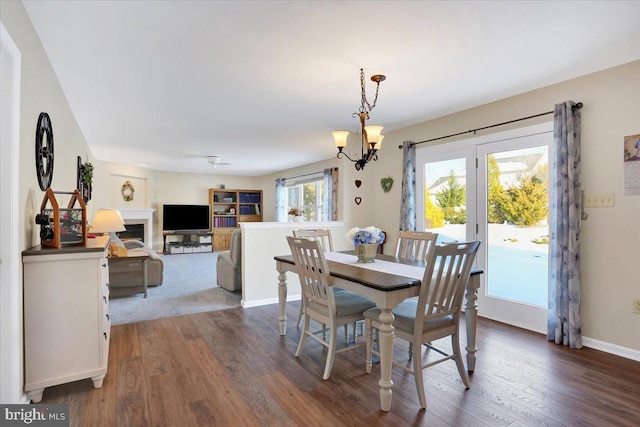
[{"x": 405, "y": 317}]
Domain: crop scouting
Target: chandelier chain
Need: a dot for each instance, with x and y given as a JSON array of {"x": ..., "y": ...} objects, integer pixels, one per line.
[{"x": 364, "y": 93}]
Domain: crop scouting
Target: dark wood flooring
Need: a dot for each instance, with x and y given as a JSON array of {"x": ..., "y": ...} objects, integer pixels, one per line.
[{"x": 231, "y": 368}]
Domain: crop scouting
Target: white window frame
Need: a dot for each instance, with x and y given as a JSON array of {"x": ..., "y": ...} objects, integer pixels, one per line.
[{"x": 318, "y": 179}]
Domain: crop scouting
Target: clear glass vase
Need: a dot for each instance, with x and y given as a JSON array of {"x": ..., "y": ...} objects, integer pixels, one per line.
[{"x": 367, "y": 252}]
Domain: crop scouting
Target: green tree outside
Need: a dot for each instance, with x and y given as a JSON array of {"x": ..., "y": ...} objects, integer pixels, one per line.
[
  {"x": 527, "y": 203},
  {"x": 450, "y": 197},
  {"x": 495, "y": 192},
  {"x": 433, "y": 215}
]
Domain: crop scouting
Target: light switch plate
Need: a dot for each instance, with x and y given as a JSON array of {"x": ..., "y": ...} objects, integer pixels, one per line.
[{"x": 601, "y": 200}]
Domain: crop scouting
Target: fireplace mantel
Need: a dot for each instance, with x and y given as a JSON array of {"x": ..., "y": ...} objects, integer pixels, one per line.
[{"x": 140, "y": 216}]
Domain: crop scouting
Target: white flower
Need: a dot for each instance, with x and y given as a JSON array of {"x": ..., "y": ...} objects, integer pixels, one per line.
[{"x": 357, "y": 236}]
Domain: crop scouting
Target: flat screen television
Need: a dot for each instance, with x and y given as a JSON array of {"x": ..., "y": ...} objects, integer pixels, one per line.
[{"x": 185, "y": 217}]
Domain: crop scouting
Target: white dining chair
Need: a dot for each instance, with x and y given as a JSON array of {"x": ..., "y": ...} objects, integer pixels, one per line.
[
  {"x": 324, "y": 236},
  {"x": 322, "y": 304},
  {"x": 415, "y": 244},
  {"x": 435, "y": 315}
]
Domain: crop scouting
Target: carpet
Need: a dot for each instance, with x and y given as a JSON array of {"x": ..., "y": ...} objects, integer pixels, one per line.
[{"x": 189, "y": 286}]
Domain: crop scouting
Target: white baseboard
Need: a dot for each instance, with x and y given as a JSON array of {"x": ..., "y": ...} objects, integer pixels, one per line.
[{"x": 617, "y": 350}]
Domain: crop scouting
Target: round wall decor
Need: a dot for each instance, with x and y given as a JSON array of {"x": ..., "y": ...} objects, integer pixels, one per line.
[
  {"x": 127, "y": 191},
  {"x": 44, "y": 151}
]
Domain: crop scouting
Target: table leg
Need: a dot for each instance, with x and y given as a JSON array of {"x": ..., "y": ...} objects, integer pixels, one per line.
[
  {"x": 386, "y": 356},
  {"x": 282, "y": 300},
  {"x": 471, "y": 319}
]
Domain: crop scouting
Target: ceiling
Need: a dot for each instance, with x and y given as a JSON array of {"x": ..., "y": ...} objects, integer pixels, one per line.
[{"x": 263, "y": 83}]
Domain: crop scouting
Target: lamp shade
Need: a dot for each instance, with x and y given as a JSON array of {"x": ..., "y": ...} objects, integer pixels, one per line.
[
  {"x": 107, "y": 221},
  {"x": 379, "y": 143},
  {"x": 341, "y": 138},
  {"x": 373, "y": 134}
]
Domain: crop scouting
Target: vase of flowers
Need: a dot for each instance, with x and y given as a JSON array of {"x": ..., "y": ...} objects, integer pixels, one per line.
[
  {"x": 296, "y": 214},
  {"x": 365, "y": 241}
]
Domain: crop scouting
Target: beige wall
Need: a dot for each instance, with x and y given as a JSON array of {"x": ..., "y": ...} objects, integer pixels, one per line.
[
  {"x": 154, "y": 189},
  {"x": 41, "y": 92},
  {"x": 611, "y": 236},
  {"x": 348, "y": 211}
]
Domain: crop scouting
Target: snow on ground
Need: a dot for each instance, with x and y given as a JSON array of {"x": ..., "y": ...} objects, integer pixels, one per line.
[{"x": 501, "y": 235}]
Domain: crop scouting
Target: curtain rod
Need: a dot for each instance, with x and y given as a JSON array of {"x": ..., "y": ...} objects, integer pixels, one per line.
[
  {"x": 575, "y": 107},
  {"x": 307, "y": 174}
]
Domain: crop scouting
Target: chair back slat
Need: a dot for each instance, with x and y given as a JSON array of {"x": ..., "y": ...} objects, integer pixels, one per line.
[
  {"x": 444, "y": 281},
  {"x": 313, "y": 272},
  {"x": 323, "y": 235},
  {"x": 415, "y": 245}
]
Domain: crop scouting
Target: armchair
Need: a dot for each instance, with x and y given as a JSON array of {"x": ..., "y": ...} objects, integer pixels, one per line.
[{"x": 229, "y": 264}]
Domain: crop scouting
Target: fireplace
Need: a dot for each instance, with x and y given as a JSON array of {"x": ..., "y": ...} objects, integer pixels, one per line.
[
  {"x": 142, "y": 217},
  {"x": 132, "y": 232}
]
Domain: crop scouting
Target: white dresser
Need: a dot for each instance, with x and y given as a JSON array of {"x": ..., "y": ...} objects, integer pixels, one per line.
[{"x": 66, "y": 316}]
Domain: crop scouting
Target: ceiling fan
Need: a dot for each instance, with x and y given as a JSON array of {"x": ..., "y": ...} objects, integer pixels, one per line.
[{"x": 215, "y": 161}]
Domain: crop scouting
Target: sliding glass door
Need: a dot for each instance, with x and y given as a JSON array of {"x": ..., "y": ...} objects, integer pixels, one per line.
[
  {"x": 448, "y": 195},
  {"x": 495, "y": 190}
]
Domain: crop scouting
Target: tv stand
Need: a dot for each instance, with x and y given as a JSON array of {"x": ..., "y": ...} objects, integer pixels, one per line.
[{"x": 187, "y": 243}]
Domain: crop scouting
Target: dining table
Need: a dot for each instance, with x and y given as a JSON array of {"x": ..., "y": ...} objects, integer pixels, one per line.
[{"x": 387, "y": 281}]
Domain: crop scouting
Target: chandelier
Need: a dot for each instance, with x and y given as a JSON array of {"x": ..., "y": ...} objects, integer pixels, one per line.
[{"x": 370, "y": 137}]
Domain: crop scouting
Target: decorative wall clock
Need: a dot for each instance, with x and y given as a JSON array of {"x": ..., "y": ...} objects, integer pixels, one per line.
[{"x": 44, "y": 151}]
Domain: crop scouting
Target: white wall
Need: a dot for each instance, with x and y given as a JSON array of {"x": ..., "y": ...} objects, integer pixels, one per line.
[
  {"x": 611, "y": 236},
  {"x": 40, "y": 92},
  {"x": 261, "y": 241}
]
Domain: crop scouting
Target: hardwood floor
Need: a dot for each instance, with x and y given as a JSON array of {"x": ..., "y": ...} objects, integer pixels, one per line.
[{"x": 231, "y": 368}]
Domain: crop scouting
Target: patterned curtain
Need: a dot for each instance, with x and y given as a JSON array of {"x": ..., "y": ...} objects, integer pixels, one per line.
[
  {"x": 565, "y": 322},
  {"x": 280, "y": 196},
  {"x": 330, "y": 211},
  {"x": 408, "y": 204}
]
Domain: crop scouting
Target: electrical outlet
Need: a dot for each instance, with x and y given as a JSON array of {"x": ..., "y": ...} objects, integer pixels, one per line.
[
  {"x": 636, "y": 306},
  {"x": 602, "y": 200}
]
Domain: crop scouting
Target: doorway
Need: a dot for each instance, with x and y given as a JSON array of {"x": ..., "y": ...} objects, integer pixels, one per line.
[{"x": 495, "y": 189}]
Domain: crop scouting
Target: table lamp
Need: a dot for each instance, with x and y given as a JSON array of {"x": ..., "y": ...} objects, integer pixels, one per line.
[{"x": 107, "y": 222}]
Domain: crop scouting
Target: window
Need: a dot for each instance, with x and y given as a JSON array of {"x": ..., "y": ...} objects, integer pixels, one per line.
[{"x": 307, "y": 195}]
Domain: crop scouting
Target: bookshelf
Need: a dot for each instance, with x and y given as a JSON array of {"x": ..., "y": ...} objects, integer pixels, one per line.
[{"x": 228, "y": 209}]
